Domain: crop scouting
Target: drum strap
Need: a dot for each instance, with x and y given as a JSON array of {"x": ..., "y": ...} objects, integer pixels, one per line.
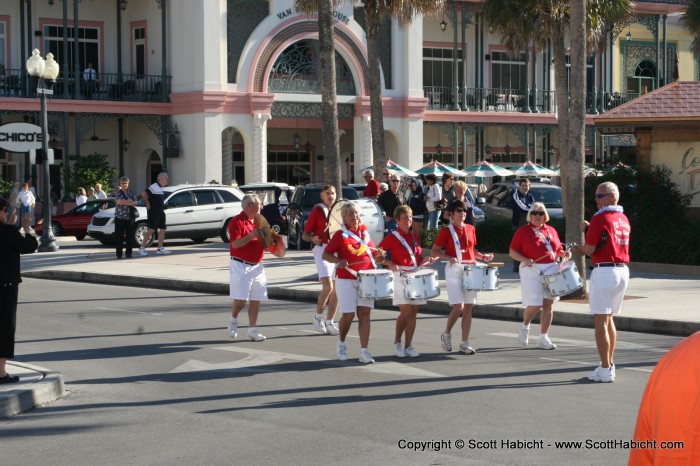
[
  {"x": 352, "y": 235},
  {"x": 545, "y": 241},
  {"x": 405, "y": 244},
  {"x": 455, "y": 238}
]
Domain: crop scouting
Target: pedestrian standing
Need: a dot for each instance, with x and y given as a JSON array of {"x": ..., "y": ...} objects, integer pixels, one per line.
[{"x": 125, "y": 201}]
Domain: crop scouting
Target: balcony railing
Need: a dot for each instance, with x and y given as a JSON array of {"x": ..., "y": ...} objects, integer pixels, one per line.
[
  {"x": 514, "y": 100},
  {"x": 107, "y": 86}
]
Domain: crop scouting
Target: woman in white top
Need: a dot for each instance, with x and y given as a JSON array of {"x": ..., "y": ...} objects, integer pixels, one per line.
[
  {"x": 434, "y": 194},
  {"x": 81, "y": 198}
]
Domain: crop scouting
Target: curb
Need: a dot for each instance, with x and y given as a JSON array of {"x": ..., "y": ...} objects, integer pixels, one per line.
[
  {"x": 49, "y": 388},
  {"x": 485, "y": 311}
]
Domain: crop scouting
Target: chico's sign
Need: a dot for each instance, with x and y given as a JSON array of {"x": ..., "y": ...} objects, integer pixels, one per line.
[{"x": 20, "y": 137}]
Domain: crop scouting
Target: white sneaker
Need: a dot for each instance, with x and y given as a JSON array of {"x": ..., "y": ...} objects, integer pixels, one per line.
[
  {"x": 163, "y": 252},
  {"x": 524, "y": 334},
  {"x": 466, "y": 349},
  {"x": 254, "y": 335},
  {"x": 232, "y": 328},
  {"x": 319, "y": 325},
  {"x": 398, "y": 351},
  {"x": 612, "y": 371},
  {"x": 601, "y": 374},
  {"x": 366, "y": 357},
  {"x": 446, "y": 342},
  {"x": 332, "y": 328},
  {"x": 142, "y": 251},
  {"x": 411, "y": 353},
  {"x": 342, "y": 351},
  {"x": 545, "y": 343}
]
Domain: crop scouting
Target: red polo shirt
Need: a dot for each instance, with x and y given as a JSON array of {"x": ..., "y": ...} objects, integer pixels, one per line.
[
  {"x": 467, "y": 240},
  {"x": 372, "y": 189},
  {"x": 615, "y": 227},
  {"x": 316, "y": 224},
  {"x": 348, "y": 249},
  {"x": 398, "y": 252},
  {"x": 238, "y": 227},
  {"x": 530, "y": 245}
]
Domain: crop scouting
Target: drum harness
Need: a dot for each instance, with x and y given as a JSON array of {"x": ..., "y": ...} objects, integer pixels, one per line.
[
  {"x": 546, "y": 242},
  {"x": 408, "y": 248},
  {"x": 348, "y": 233}
]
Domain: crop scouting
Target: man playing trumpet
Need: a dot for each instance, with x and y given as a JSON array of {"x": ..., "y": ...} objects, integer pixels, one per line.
[{"x": 250, "y": 235}]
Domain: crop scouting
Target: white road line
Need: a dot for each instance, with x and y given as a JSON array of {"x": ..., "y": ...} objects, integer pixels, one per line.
[
  {"x": 129, "y": 312},
  {"x": 591, "y": 363},
  {"x": 621, "y": 345},
  {"x": 313, "y": 332}
]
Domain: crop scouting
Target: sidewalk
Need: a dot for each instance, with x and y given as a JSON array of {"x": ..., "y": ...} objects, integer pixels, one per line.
[{"x": 655, "y": 302}]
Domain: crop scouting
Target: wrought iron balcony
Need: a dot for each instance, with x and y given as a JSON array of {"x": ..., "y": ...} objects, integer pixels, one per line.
[{"x": 107, "y": 86}]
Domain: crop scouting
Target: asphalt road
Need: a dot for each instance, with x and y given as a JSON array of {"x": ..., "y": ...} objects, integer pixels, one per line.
[{"x": 153, "y": 379}]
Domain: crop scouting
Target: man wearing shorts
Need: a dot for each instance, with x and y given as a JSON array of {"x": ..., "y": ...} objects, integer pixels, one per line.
[
  {"x": 154, "y": 198},
  {"x": 247, "y": 274},
  {"x": 607, "y": 242}
]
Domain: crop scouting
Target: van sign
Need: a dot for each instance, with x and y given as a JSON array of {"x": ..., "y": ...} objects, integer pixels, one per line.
[{"x": 20, "y": 137}]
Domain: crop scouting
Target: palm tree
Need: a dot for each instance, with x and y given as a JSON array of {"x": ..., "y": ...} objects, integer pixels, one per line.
[
  {"x": 543, "y": 21},
  {"x": 690, "y": 20},
  {"x": 329, "y": 103}
]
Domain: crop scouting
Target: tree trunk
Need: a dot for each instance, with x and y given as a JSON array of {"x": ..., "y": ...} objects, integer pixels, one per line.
[
  {"x": 329, "y": 104},
  {"x": 574, "y": 155},
  {"x": 372, "y": 20}
]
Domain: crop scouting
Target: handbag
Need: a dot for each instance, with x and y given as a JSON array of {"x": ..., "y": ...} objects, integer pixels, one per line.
[
  {"x": 133, "y": 212},
  {"x": 441, "y": 204}
]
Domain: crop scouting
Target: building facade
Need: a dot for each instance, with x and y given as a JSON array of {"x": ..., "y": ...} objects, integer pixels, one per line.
[{"x": 229, "y": 90}]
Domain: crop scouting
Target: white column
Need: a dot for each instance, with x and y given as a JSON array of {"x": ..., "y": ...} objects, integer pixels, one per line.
[
  {"x": 363, "y": 144},
  {"x": 256, "y": 156},
  {"x": 227, "y": 156}
]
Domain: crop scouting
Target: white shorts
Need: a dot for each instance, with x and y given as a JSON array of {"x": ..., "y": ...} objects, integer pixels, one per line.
[
  {"x": 348, "y": 292},
  {"x": 247, "y": 282},
  {"x": 532, "y": 289},
  {"x": 324, "y": 269},
  {"x": 607, "y": 289},
  {"x": 399, "y": 295},
  {"x": 453, "y": 283}
]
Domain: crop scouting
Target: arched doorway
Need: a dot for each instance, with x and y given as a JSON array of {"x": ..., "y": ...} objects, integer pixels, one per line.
[
  {"x": 644, "y": 79},
  {"x": 153, "y": 167}
]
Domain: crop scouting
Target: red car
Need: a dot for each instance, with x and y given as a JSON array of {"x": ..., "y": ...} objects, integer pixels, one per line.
[{"x": 75, "y": 221}]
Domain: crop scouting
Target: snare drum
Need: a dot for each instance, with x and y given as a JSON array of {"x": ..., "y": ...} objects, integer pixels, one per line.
[
  {"x": 422, "y": 284},
  {"x": 564, "y": 282},
  {"x": 479, "y": 278},
  {"x": 375, "y": 284}
]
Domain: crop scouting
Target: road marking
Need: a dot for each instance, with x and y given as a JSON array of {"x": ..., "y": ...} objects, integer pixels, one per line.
[
  {"x": 583, "y": 363},
  {"x": 130, "y": 312},
  {"x": 313, "y": 332},
  {"x": 256, "y": 360},
  {"x": 621, "y": 345}
]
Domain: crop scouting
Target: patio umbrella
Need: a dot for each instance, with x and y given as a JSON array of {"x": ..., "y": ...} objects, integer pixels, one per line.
[
  {"x": 437, "y": 168},
  {"x": 487, "y": 170},
  {"x": 396, "y": 168},
  {"x": 532, "y": 169}
]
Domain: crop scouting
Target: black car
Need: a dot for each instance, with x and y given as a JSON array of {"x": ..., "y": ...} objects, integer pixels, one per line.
[
  {"x": 303, "y": 201},
  {"x": 275, "y": 199}
]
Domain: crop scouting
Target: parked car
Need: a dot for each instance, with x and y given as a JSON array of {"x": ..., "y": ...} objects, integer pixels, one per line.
[
  {"x": 303, "y": 201},
  {"x": 75, "y": 222},
  {"x": 275, "y": 199},
  {"x": 192, "y": 211},
  {"x": 499, "y": 199}
]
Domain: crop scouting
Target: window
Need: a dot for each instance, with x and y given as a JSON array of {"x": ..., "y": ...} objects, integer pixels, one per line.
[
  {"x": 289, "y": 167},
  {"x": 88, "y": 38},
  {"x": 180, "y": 200},
  {"x": 139, "y": 52},
  {"x": 438, "y": 67},
  {"x": 3, "y": 52},
  {"x": 228, "y": 196},
  {"x": 590, "y": 73},
  {"x": 206, "y": 197},
  {"x": 644, "y": 79},
  {"x": 508, "y": 71}
]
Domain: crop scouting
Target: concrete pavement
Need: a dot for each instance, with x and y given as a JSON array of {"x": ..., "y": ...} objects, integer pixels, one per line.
[{"x": 660, "y": 298}]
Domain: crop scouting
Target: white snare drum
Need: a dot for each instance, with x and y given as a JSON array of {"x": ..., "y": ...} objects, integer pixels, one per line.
[
  {"x": 376, "y": 284},
  {"x": 479, "y": 278},
  {"x": 371, "y": 215},
  {"x": 422, "y": 284},
  {"x": 564, "y": 282}
]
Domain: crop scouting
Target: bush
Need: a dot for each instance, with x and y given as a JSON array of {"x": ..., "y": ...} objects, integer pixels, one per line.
[
  {"x": 427, "y": 238},
  {"x": 6, "y": 187},
  {"x": 88, "y": 170}
]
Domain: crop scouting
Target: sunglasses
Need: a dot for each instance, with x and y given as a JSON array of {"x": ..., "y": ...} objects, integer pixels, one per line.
[
  {"x": 601, "y": 196},
  {"x": 537, "y": 212},
  {"x": 461, "y": 210}
]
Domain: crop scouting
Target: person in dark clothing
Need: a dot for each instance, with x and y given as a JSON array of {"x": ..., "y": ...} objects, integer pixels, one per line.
[
  {"x": 389, "y": 200},
  {"x": 416, "y": 201},
  {"x": 12, "y": 244},
  {"x": 123, "y": 223},
  {"x": 522, "y": 201}
]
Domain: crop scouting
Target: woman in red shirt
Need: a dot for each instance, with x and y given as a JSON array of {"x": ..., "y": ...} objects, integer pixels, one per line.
[
  {"x": 536, "y": 246},
  {"x": 455, "y": 243},
  {"x": 403, "y": 246},
  {"x": 352, "y": 250}
]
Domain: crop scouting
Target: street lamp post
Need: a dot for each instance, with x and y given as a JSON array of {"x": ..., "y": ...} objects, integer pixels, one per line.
[{"x": 46, "y": 73}]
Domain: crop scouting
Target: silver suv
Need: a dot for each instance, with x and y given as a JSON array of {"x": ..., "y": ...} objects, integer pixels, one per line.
[
  {"x": 197, "y": 212},
  {"x": 499, "y": 199}
]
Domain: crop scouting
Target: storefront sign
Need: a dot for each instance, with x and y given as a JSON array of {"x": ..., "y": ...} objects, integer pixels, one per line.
[
  {"x": 338, "y": 16},
  {"x": 20, "y": 137}
]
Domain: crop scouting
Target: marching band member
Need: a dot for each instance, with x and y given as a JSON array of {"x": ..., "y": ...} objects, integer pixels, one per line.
[
  {"x": 352, "y": 250},
  {"x": 455, "y": 243},
  {"x": 403, "y": 246},
  {"x": 316, "y": 232},
  {"x": 536, "y": 246}
]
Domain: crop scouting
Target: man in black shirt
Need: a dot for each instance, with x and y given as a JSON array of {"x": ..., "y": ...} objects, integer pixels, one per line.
[
  {"x": 154, "y": 198},
  {"x": 389, "y": 200},
  {"x": 522, "y": 200}
]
